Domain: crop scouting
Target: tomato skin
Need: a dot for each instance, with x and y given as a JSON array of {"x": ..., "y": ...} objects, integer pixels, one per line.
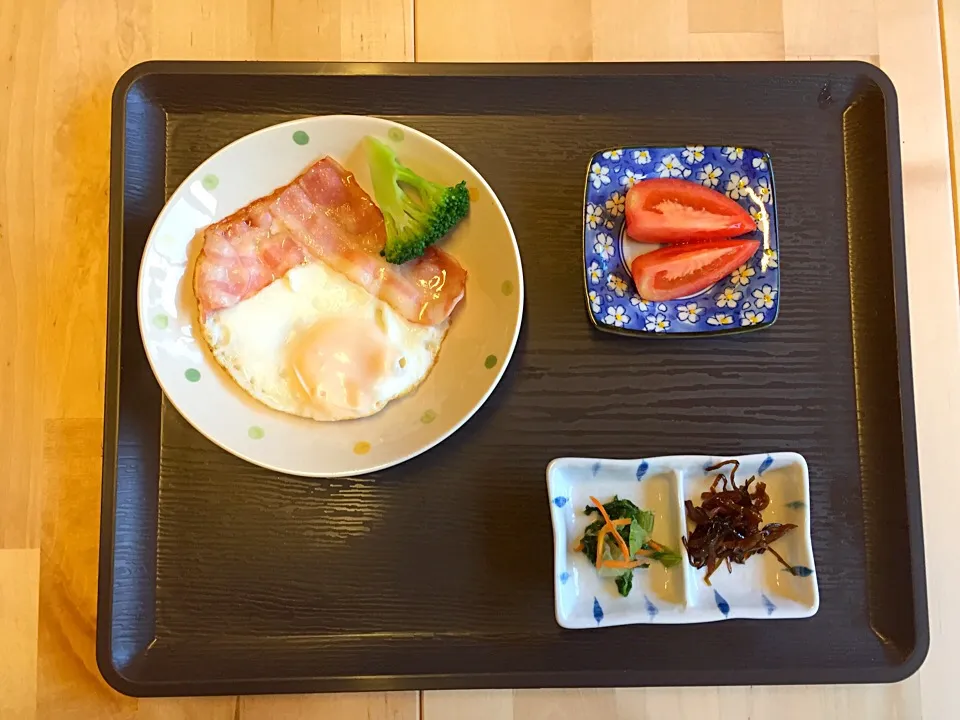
[
  {"x": 677, "y": 271},
  {"x": 668, "y": 210}
]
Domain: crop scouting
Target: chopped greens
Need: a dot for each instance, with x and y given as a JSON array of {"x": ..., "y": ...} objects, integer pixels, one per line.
[{"x": 625, "y": 530}]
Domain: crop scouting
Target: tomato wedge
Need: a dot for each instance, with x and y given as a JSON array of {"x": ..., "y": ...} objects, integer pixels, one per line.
[
  {"x": 678, "y": 271},
  {"x": 667, "y": 210}
]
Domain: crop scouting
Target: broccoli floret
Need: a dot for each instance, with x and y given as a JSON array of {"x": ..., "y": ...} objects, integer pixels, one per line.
[{"x": 416, "y": 212}]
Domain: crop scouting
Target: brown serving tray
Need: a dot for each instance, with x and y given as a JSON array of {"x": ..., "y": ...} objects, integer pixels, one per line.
[{"x": 220, "y": 577}]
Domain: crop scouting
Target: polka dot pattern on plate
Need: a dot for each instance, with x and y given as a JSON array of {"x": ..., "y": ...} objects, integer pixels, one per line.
[
  {"x": 255, "y": 432},
  {"x": 210, "y": 182},
  {"x": 192, "y": 375},
  {"x": 490, "y": 361},
  {"x": 361, "y": 448},
  {"x": 301, "y": 138}
]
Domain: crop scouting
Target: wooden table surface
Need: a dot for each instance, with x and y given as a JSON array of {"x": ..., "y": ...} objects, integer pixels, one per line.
[{"x": 59, "y": 60}]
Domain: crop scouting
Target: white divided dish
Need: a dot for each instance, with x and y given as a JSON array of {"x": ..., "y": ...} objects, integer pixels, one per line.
[{"x": 760, "y": 589}]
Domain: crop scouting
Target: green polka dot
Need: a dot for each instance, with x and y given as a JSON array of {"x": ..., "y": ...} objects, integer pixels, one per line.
[
  {"x": 428, "y": 417},
  {"x": 255, "y": 432},
  {"x": 192, "y": 375},
  {"x": 395, "y": 134},
  {"x": 362, "y": 447},
  {"x": 507, "y": 287},
  {"x": 301, "y": 138},
  {"x": 161, "y": 321},
  {"x": 210, "y": 182},
  {"x": 490, "y": 361}
]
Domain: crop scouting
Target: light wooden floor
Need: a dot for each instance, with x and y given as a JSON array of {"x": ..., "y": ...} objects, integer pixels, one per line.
[{"x": 59, "y": 60}]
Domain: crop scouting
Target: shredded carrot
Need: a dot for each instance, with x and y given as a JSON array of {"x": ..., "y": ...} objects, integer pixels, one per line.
[
  {"x": 644, "y": 553},
  {"x": 600, "y": 538},
  {"x": 578, "y": 547},
  {"x": 607, "y": 528},
  {"x": 655, "y": 545},
  {"x": 616, "y": 536},
  {"x": 621, "y": 563}
]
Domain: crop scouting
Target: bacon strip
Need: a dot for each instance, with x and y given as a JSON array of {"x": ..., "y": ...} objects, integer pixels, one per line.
[{"x": 322, "y": 215}]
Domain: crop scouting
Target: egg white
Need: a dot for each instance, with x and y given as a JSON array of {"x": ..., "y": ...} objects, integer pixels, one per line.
[{"x": 252, "y": 341}]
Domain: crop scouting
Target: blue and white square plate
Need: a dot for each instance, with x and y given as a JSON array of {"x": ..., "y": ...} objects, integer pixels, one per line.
[
  {"x": 746, "y": 300},
  {"x": 760, "y": 589}
]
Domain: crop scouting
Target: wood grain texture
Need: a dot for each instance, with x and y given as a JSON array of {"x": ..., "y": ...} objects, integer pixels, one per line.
[
  {"x": 57, "y": 66},
  {"x": 903, "y": 39},
  {"x": 569, "y": 390},
  {"x": 19, "y": 575}
]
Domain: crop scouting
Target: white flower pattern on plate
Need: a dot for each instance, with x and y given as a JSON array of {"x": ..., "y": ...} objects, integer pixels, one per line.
[
  {"x": 594, "y": 301},
  {"x": 616, "y": 204},
  {"x": 657, "y": 323},
  {"x": 709, "y": 176},
  {"x": 733, "y": 153},
  {"x": 748, "y": 297},
  {"x": 770, "y": 259},
  {"x": 616, "y": 316},
  {"x": 742, "y": 275},
  {"x": 729, "y": 297},
  {"x": 671, "y": 167},
  {"x": 689, "y": 313},
  {"x": 765, "y": 296},
  {"x": 720, "y": 319},
  {"x": 594, "y": 215},
  {"x": 693, "y": 154},
  {"x": 617, "y": 284},
  {"x": 630, "y": 178},
  {"x": 599, "y": 175},
  {"x": 603, "y": 246},
  {"x": 763, "y": 190},
  {"x": 737, "y": 185},
  {"x": 594, "y": 272}
]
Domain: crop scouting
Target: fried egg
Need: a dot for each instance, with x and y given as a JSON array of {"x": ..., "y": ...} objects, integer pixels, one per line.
[{"x": 314, "y": 344}]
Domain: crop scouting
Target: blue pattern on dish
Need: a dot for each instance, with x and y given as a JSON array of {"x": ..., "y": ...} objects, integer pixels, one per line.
[
  {"x": 800, "y": 571},
  {"x": 768, "y": 604},
  {"x": 722, "y": 604},
  {"x": 765, "y": 465},
  {"x": 748, "y": 299},
  {"x": 564, "y": 576},
  {"x": 642, "y": 469},
  {"x": 651, "y": 608},
  {"x": 796, "y": 505},
  {"x": 560, "y": 501},
  {"x": 597, "y": 611},
  {"x": 595, "y": 468}
]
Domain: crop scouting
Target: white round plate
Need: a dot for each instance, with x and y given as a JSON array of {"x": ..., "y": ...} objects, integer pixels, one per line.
[{"x": 478, "y": 346}]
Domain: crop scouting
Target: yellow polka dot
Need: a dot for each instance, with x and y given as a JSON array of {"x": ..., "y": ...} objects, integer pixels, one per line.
[{"x": 362, "y": 447}]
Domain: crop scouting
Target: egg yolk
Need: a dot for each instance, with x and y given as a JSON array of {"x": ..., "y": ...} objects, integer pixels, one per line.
[{"x": 340, "y": 363}]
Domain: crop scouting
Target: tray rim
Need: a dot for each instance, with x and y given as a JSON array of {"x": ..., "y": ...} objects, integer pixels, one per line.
[{"x": 542, "y": 679}]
